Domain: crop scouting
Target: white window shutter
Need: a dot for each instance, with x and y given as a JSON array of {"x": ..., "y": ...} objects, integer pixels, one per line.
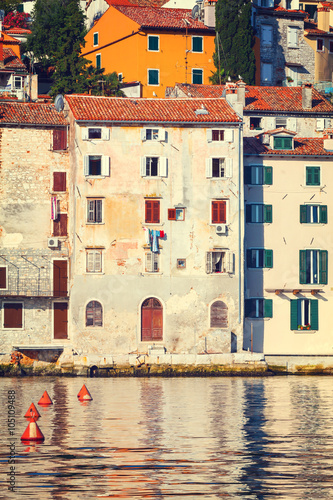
[
  {"x": 90, "y": 262},
  {"x": 163, "y": 166},
  {"x": 155, "y": 267},
  {"x": 143, "y": 170},
  {"x": 320, "y": 123},
  {"x": 228, "y": 167},
  {"x": 292, "y": 124},
  {"x": 229, "y": 135},
  {"x": 149, "y": 262},
  {"x": 270, "y": 123},
  {"x": 143, "y": 134},
  {"x": 229, "y": 262},
  {"x": 209, "y": 135},
  {"x": 162, "y": 134},
  {"x": 209, "y": 167},
  {"x": 84, "y": 133},
  {"x": 98, "y": 262},
  {"x": 327, "y": 122},
  {"x": 86, "y": 165},
  {"x": 105, "y": 134},
  {"x": 105, "y": 167},
  {"x": 209, "y": 263}
]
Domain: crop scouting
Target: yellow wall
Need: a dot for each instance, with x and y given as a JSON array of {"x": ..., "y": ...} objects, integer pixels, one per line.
[
  {"x": 132, "y": 58},
  {"x": 323, "y": 60}
]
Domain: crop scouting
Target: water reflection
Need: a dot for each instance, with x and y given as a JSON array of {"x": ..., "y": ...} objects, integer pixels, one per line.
[{"x": 203, "y": 438}]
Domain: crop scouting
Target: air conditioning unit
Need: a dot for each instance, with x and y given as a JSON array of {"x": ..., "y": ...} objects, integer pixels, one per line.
[
  {"x": 52, "y": 242},
  {"x": 221, "y": 229}
]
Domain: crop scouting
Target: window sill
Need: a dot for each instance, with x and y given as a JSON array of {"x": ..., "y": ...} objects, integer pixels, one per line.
[
  {"x": 96, "y": 176},
  {"x": 257, "y": 319},
  {"x": 152, "y": 224},
  {"x": 152, "y": 177},
  {"x": 93, "y": 273},
  {"x": 318, "y": 186},
  {"x": 95, "y": 223},
  {"x": 304, "y": 331},
  {"x": 146, "y": 273},
  {"x": 58, "y": 192},
  {"x": 220, "y": 274}
]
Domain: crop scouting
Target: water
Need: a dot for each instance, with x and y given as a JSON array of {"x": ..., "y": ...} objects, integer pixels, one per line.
[{"x": 177, "y": 438}]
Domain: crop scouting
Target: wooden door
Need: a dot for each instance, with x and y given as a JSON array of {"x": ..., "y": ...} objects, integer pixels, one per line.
[
  {"x": 151, "y": 320},
  {"x": 60, "y": 278},
  {"x": 60, "y": 320}
]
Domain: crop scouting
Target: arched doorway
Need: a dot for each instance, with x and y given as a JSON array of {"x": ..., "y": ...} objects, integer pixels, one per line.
[
  {"x": 151, "y": 320},
  {"x": 218, "y": 315}
]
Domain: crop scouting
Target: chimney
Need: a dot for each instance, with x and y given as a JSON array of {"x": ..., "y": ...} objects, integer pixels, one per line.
[
  {"x": 306, "y": 95},
  {"x": 209, "y": 13},
  {"x": 323, "y": 12},
  {"x": 2, "y": 64},
  {"x": 241, "y": 92}
]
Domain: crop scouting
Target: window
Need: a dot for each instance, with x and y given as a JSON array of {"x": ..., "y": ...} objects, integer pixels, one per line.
[
  {"x": 281, "y": 121},
  {"x": 98, "y": 61},
  {"x": 154, "y": 166},
  {"x": 152, "y": 211},
  {"x": 18, "y": 82},
  {"x": 283, "y": 143},
  {"x": 94, "y": 314},
  {"x": 176, "y": 214},
  {"x": 312, "y": 176},
  {"x": 313, "y": 266},
  {"x": 152, "y": 262},
  {"x": 3, "y": 278},
  {"x": 267, "y": 3},
  {"x": 120, "y": 77},
  {"x": 258, "y": 308},
  {"x": 292, "y": 37},
  {"x": 94, "y": 261},
  {"x": 95, "y": 39},
  {"x": 217, "y": 135},
  {"x": 219, "y": 167},
  {"x": 94, "y": 211},
  {"x": 12, "y": 315},
  {"x": 331, "y": 47},
  {"x": 181, "y": 263},
  {"x": 255, "y": 123},
  {"x": 219, "y": 212},
  {"x": 20, "y": 8},
  {"x": 96, "y": 165},
  {"x": 153, "y": 77},
  {"x": 197, "y": 44},
  {"x": 266, "y": 72},
  {"x": 60, "y": 225},
  {"x": 219, "y": 261},
  {"x": 59, "y": 181},
  {"x": 197, "y": 76},
  {"x": 266, "y": 35},
  {"x": 258, "y": 175},
  {"x": 304, "y": 314},
  {"x": 153, "y": 134},
  {"x": 313, "y": 214},
  {"x": 59, "y": 139},
  {"x": 218, "y": 315},
  {"x": 259, "y": 213},
  {"x": 102, "y": 133},
  {"x": 320, "y": 45},
  {"x": 259, "y": 258},
  {"x": 153, "y": 43}
]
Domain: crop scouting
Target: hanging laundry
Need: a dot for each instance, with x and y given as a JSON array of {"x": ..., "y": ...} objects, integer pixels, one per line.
[
  {"x": 155, "y": 244},
  {"x": 54, "y": 212},
  {"x": 161, "y": 234},
  {"x": 147, "y": 235}
]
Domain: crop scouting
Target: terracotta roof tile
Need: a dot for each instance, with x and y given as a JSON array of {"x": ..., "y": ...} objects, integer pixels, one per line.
[
  {"x": 157, "y": 17},
  {"x": 30, "y": 114},
  {"x": 119, "y": 109},
  {"x": 302, "y": 146},
  {"x": 11, "y": 61},
  {"x": 264, "y": 98}
]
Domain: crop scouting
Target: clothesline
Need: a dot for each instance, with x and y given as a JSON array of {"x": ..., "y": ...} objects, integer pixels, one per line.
[{"x": 151, "y": 237}]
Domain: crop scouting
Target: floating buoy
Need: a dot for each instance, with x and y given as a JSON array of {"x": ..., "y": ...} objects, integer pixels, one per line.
[
  {"x": 32, "y": 433},
  {"x": 84, "y": 394},
  {"x": 32, "y": 413},
  {"x": 45, "y": 400}
]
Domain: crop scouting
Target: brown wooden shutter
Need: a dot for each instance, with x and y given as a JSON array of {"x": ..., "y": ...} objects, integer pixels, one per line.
[
  {"x": 13, "y": 315},
  {"x": 3, "y": 277},
  {"x": 218, "y": 212},
  {"x": 59, "y": 139},
  {"x": 222, "y": 212},
  {"x": 152, "y": 211},
  {"x": 60, "y": 225},
  {"x": 171, "y": 214},
  {"x": 148, "y": 215},
  {"x": 156, "y": 212},
  {"x": 60, "y": 315},
  {"x": 59, "y": 181},
  {"x": 215, "y": 212},
  {"x": 60, "y": 278}
]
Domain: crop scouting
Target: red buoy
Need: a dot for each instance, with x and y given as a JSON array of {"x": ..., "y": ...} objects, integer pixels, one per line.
[
  {"x": 32, "y": 433},
  {"x": 45, "y": 400},
  {"x": 84, "y": 394},
  {"x": 32, "y": 413}
]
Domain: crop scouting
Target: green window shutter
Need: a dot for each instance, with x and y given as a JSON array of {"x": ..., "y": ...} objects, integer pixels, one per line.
[
  {"x": 302, "y": 266},
  {"x": 314, "y": 314},
  {"x": 268, "y": 308},
  {"x": 323, "y": 256},
  {"x": 268, "y": 175},
  {"x": 302, "y": 214},
  {"x": 268, "y": 213},
  {"x": 287, "y": 142},
  {"x": 316, "y": 176},
  {"x": 309, "y": 176},
  {"x": 323, "y": 214},
  {"x": 247, "y": 175},
  {"x": 293, "y": 315},
  {"x": 268, "y": 258}
]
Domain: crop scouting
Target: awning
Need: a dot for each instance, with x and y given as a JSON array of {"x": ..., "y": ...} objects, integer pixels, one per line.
[{"x": 293, "y": 65}]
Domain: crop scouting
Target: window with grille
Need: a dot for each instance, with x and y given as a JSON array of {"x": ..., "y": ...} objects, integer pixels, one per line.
[{"x": 94, "y": 314}]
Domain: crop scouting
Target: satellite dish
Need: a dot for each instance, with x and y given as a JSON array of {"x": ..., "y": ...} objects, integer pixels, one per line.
[
  {"x": 59, "y": 103},
  {"x": 195, "y": 12}
]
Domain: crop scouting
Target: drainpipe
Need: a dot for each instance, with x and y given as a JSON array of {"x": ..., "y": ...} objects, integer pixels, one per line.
[{"x": 240, "y": 205}]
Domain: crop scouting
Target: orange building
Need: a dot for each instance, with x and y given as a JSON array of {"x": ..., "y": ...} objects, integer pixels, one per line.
[{"x": 155, "y": 46}]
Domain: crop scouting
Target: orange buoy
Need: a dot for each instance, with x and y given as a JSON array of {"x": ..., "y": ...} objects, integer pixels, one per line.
[
  {"x": 84, "y": 394},
  {"x": 32, "y": 433},
  {"x": 32, "y": 413},
  {"x": 45, "y": 400}
]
